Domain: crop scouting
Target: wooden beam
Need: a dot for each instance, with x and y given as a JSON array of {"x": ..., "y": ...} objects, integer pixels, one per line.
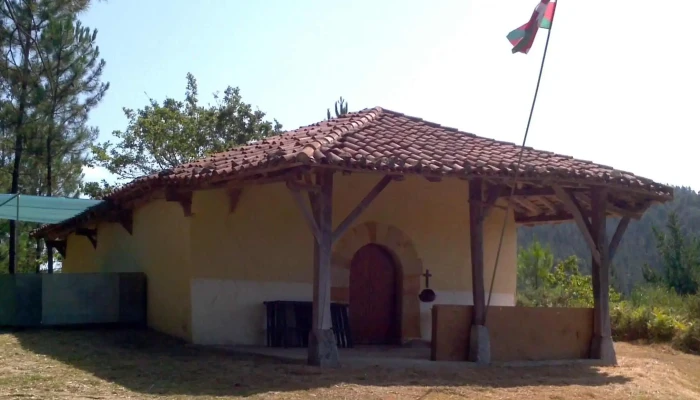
[
  {"x": 308, "y": 216},
  {"x": 303, "y": 186},
  {"x": 493, "y": 192},
  {"x": 322, "y": 348},
  {"x": 548, "y": 204},
  {"x": 126, "y": 220},
  {"x": 476, "y": 242},
  {"x": 90, "y": 234},
  {"x": 60, "y": 245},
  {"x": 583, "y": 224},
  {"x": 634, "y": 213},
  {"x": 544, "y": 218},
  {"x": 362, "y": 206},
  {"x": 184, "y": 198},
  {"x": 617, "y": 237},
  {"x": 528, "y": 205},
  {"x": 601, "y": 344},
  {"x": 234, "y": 197}
]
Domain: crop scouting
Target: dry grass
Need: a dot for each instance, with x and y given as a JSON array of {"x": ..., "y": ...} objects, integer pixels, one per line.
[{"x": 134, "y": 364}]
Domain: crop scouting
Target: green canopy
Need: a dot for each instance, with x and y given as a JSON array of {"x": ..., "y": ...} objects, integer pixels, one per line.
[{"x": 42, "y": 209}]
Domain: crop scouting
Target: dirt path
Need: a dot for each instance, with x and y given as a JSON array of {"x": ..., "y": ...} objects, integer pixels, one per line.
[{"x": 128, "y": 364}]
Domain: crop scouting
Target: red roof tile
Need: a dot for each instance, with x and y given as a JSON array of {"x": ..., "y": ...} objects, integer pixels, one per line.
[{"x": 380, "y": 139}]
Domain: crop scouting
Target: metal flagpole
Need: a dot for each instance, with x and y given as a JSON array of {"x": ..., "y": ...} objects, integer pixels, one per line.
[{"x": 517, "y": 166}]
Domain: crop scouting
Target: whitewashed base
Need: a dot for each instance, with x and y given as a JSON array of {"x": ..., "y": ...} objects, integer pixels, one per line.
[{"x": 228, "y": 312}]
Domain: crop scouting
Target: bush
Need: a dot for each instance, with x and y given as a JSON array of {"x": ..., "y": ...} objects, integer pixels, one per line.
[
  {"x": 658, "y": 315},
  {"x": 689, "y": 338}
]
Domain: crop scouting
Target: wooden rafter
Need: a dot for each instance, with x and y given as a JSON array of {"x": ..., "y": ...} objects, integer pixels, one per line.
[
  {"x": 544, "y": 218},
  {"x": 532, "y": 209},
  {"x": 90, "y": 234},
  {"x": 59, "y": 245},
  {"x": 550, "y": 206},
  {"x": 584, "y": 225},
  {"x": 362, "y": 206},
  {"x": 125, "y": 218},
  {"x": 234, "y": 197},
  {"x": 492, "y": 194},
  {"x": 184, "y": 198},
  {"x": 306, "y": 212}
]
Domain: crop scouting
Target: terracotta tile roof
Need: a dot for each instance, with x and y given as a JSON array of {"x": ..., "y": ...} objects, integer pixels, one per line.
[{"x": 380, "y": 139}]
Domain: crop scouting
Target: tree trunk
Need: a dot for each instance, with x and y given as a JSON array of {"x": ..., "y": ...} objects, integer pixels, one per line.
[{"x": 19, "y": 134}]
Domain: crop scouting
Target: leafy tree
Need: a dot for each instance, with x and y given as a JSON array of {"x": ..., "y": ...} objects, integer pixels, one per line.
[
  {"x": 165, "y": 135},
  {"x": 534, "y": 263},
  {"x": 560, "y": 285},
  {"x": 341, "y": 108},
  {"x": 681, "y": 259}
]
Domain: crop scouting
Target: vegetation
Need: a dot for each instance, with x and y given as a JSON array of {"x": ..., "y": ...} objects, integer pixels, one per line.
[
  {"x": 664, "y": 308},
  {"x": 638, "y": 246},
  {"x": 168, "y": 134},
  {"x": 50, "y": 78},
  {"x": 341, "y": 108}
]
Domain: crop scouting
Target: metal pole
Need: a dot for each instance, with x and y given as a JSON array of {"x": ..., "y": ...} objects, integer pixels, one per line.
[{"x": 517, "y": 167}]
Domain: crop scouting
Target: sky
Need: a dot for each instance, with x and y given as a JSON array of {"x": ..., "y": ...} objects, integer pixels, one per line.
[{"x": 620, "y": 87}]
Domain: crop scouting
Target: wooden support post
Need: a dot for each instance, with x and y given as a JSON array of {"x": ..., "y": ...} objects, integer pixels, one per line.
[
  {"x": 479, "y": 342},
  {"x": 366, "y": 201},
  {"x": 323, "y": 350},
  {"x": 602, "y": 343}
]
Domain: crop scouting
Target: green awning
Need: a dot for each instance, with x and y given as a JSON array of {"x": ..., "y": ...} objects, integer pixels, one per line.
[{"x": 42, "y": 209}]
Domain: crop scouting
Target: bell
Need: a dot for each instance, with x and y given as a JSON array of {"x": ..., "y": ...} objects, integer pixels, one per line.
[{"x": 427, "y": 296}]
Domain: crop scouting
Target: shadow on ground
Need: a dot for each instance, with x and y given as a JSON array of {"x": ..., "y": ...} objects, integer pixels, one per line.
[{"x": 150, "y": 363}]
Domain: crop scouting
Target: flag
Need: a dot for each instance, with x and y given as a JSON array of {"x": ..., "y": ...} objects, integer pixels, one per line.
[
  {"x": 546, "y": 22},
  {"x": 523, "y": 37}
]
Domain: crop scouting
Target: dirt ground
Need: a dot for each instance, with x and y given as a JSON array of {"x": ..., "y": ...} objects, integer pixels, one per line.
[{"x": 109, "y": 364}]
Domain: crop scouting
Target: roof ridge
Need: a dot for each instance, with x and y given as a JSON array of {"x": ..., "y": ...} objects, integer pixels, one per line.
[{"x": 356, "y": 122}]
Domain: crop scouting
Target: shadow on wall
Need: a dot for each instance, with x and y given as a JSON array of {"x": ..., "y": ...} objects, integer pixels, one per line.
[{"x": 153, "y": 364}]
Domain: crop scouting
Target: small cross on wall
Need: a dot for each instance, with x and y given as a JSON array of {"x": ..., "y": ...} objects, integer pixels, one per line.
[{"x": 427, "y": 276}]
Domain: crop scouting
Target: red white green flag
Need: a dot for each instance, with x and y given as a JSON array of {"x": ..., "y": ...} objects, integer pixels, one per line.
[{"x": 523, "y": 37}]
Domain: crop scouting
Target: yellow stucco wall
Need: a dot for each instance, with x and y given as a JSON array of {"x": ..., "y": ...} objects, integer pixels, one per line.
[
  {"x": 267, "y": 238},
  {"x": 267, "y": 242},
  {"x": 160, "y": 247}
]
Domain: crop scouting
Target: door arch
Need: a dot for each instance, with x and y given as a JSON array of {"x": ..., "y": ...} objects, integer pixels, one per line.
[
  {"x": 373, "y": 296},
  {"x": 406, "y": 259}
]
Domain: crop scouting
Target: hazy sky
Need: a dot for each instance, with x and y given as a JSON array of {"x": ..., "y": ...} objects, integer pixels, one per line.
[{"x": 620, "y": 85}]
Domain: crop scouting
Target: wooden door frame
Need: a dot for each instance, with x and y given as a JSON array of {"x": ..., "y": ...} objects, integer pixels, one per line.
[{"x": 396, "y": 328}]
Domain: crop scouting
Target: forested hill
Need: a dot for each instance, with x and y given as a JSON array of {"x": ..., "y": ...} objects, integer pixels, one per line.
[{"x": 638, "y": 246}]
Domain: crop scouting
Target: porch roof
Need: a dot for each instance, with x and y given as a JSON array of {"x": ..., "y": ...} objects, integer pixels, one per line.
[{"x": 388, "y": 142}]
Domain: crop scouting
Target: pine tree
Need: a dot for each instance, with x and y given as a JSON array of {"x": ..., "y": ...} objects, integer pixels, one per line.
[{"x": 49, "y": 80}]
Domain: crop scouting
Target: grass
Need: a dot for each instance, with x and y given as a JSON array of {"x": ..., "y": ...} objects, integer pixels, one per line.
[{"x": 117, "y": 364}]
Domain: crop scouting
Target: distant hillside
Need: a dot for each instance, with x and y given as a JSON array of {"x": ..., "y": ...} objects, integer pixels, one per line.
[{"x": 638, "y": 246}]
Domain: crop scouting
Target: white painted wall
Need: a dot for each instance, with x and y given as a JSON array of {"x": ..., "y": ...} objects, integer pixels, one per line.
[{"x": 228, "y": 312}]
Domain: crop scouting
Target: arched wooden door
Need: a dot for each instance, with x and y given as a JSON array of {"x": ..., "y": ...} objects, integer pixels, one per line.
[{"x": 373, "y": 284}]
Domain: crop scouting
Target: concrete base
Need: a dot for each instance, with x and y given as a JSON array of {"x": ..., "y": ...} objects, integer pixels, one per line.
[
  {"x": 479, "y": 345},
  {"x": 323, "y": 351},
  {"x": 602, "y": 349}
]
